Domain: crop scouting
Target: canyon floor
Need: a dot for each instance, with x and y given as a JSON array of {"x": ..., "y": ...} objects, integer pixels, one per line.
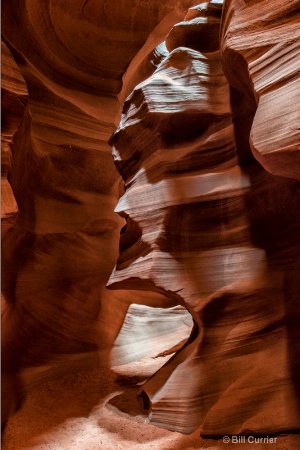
[{"x": 83, "y": 411}]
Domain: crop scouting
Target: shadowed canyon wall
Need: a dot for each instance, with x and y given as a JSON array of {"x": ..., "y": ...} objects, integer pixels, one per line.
[
  {"x": 203, "y": 187},
  {"x": 202, "y": 207},
  {"x": 64, "y": 242}
]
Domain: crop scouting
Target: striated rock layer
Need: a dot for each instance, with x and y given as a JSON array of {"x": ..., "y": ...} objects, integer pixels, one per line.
[
  {"x": 14, "y": 97},
  {"x": 64, "y": 242},
  {"x": 213, "y": 230},
  {"x": 212, "y": 222},
  {"x": 261, "y": 51}
]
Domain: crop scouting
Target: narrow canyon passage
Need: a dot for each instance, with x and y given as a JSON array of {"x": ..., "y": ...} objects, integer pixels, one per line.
[{"x": 150, "y": 224}]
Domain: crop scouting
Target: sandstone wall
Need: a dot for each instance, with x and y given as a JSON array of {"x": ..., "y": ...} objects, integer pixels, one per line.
[{"x": 203, "y": 187}]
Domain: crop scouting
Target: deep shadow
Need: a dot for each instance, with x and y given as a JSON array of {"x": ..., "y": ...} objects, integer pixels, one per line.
[{"x": 273, "y": 208}]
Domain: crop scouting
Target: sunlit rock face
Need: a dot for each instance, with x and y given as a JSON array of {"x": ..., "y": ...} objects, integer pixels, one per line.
[
  {"x": 69, "y": 60},
  {"x": 210, "y": 228},
  {"x": 207, "y": 225},
  {"x": 263, "y": 43}
]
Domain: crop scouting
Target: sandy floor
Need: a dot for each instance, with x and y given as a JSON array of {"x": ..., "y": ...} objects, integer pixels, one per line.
[{"x": 77, "y": 411}]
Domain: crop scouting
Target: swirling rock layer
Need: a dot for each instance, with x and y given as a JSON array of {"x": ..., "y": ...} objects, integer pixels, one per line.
[
  {"x": 212, "y": 223},
  {"x": 59, "y": 253},
  {"x": 13, "y": 101},
  {"x": 264, "y": 43},
  {"x": 210, "y": 228}
]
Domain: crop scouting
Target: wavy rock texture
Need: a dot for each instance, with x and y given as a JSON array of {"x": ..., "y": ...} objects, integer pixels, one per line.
[
  {"x": 13, "y": 101},
  {"x": 65, "y": 241},
  {"x": 264, "y": 43},
  {"x": 210, "y": 228}
]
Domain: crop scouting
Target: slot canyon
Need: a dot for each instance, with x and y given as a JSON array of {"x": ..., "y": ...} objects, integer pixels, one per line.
[{"x": 150, "y": 224}]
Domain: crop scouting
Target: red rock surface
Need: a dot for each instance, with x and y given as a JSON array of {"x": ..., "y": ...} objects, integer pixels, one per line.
[
  {"x": 212, "y": 221},
  {"x": 63, "y": 246},
  {"x": 14, "y": 97},
  {"x": 210, "y": 228},
  {"x": 263, "y": 42}
]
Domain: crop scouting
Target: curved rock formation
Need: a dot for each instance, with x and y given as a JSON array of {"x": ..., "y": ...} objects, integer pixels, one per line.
[
  {"x": 14, "y": 97},
  {"x": 209, "y": 222},
  {"x": 208, "y": 227},
  {"x": 64, "y": 244},
  {"x": 263, "y": 43}
]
